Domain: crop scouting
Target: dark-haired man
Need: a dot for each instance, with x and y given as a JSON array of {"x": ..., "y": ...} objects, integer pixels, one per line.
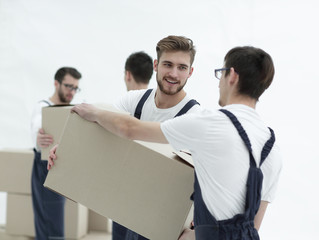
[
  {"x": 48, "y": 207},
  {"x": 138, "y": 71}
]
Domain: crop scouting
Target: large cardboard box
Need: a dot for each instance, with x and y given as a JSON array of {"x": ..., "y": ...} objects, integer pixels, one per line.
[
  {"x": 15, "y": 170},
  {"x": 20, "y": 217},
  {"x": 6, "y": 236},
  {"x": 143, "y": 186},
  {"x": 53, "y": 121}
]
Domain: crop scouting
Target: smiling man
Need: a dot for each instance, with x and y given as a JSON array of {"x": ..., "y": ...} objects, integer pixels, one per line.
[
  {"x": 173, "y": 67},
  {"x": 48, "y": 207}
]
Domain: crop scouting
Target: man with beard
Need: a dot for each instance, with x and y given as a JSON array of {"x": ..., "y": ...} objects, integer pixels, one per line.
[
  {"x": 173, "y": 67},
  {"x": 48, "y": 207}
]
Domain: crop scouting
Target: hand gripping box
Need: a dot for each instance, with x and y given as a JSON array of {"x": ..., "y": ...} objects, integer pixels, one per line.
[{"x": 142, "y": 186}]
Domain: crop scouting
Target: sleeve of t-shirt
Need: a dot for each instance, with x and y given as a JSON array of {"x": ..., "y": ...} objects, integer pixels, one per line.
[
  {"x": 271, "y": 169},
  {"x": 183, "y": 132},
  {"x": 36, "y": 121},
  {"x": 129, "y": 101}
]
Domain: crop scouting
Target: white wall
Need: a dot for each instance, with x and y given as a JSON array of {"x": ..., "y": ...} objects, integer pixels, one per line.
[{"x": 37, "y": 37}]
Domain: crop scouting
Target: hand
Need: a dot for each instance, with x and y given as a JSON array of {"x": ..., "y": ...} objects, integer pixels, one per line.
[
  {"x": 188, "y": 234},
  {"x": 52, "y": 157},
  {"x": 86, "y": 111},
  {"x": 44, "y": 140}
]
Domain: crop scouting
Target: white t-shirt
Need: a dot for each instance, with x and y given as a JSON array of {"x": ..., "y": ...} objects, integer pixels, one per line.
[
  {"x": 220, "y": 157},
  {"x": 36, "y": 120},
  {"x": 150, "y": 112}
]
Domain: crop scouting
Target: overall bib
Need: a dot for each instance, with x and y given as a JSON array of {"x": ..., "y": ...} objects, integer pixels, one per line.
[
  {"x": 241, "y": 226},
  {"x": 120, "y": 232},
  {"x": 48, "y": 207}
]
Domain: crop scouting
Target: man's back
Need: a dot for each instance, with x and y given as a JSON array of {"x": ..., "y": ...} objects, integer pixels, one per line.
[{"x": 223, "y": 156}]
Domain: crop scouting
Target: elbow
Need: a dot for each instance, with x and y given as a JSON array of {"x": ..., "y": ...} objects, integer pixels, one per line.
[{"x": 126, "y": 130}]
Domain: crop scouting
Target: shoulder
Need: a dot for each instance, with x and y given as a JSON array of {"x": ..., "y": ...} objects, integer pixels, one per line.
[{"x": 129, "y": 100}]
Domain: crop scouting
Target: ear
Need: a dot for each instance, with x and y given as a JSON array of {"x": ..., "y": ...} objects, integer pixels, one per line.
[
  {"x": 190, "y": 72},
  {"x": 127, "y": 76},
  {"x": 155, "y": 65},
  {"x": 233, "y": 76},
  {"x": 56, "y": 83}
]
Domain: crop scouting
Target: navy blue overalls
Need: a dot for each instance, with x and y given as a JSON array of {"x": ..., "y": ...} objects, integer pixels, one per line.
[
  {"x": 48, "y": 207},
  {"x": 120, "y": 232},
  {"x": 241, "y": 226}
]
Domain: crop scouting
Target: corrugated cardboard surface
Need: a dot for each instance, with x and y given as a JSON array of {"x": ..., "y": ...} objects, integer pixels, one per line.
[
  {"x": 15, "y": 170},
  {"x": 20, "y": 217},
  {"x": 53, "y": 121},
  {"x": 135, "y": 185}
]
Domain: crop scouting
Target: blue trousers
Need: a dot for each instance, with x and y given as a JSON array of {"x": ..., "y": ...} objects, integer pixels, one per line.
[{"x": 48, "y": 207}]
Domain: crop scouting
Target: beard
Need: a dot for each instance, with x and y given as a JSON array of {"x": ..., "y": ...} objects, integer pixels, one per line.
[
  {"x": 62, "y": 97},
  {"x": 169, "y": 91}
]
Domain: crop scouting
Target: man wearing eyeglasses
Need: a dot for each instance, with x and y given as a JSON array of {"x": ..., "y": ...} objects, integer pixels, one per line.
[
  {"x": 237, "y": 161},
  {"x": 48, "y": 207}
]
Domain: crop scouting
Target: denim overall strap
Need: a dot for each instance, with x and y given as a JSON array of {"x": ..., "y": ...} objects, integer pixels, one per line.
[
  {"x": 45, "y": 101},
  {"x": 241, "y": 226},
  {"x": 187, "y": 106},
  {"x": 120, "y": 232},
  {"x": 139, "y": 107}
]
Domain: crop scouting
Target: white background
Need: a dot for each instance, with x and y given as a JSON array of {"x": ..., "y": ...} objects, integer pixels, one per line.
[{"x": 96, "y": 36}]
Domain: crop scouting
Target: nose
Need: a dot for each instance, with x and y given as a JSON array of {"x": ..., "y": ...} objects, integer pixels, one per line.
[{"x": 173, "y": 72}]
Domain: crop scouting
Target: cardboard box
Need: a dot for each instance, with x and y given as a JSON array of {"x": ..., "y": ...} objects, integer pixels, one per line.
[
  {"x": 98, "y": 222},
  {"x": 53, "y": 121},
  {"x": 15, "y": 170},
  {"x": 142, "y": 186},
  {"x": 97, "y": 235},
  {"x": 6, "y": 236},
  {"x": 20, "y": 217}
]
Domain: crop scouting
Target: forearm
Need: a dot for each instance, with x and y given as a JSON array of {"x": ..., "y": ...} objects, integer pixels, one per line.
[
  {"x": 129, "y": 127},
  {"x": 119, "y": 124},
  {"x": 260, "y": 214}
]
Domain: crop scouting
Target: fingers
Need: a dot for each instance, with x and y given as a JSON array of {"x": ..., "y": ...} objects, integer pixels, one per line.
[
  {"x": 50, "y": 163},
  {"x": 43, "y": 139},
  {"x": 52, "y": 157}
]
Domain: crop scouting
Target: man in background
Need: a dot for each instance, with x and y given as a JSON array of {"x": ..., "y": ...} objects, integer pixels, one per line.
[
  {"x": 48, "y": 207},
  {"x": 138, "y": 71}
]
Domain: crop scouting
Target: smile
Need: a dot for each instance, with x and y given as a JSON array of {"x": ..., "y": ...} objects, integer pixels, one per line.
[{"x": 171, "y": 82}]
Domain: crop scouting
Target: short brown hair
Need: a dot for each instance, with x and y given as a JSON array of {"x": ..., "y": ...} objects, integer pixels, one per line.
[
  {"x": 254, "y": 67},
  {"x": 60, "y": 74},
  {"x": 176, "y": 43}
]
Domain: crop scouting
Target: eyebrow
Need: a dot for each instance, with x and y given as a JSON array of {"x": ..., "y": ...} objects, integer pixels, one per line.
[{"x": 179, "y": 64}]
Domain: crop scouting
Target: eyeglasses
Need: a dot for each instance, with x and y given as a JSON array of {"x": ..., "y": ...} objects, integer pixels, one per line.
[
  {"x": 219, "y": 72},
  {"x": 71, "y": 88}
]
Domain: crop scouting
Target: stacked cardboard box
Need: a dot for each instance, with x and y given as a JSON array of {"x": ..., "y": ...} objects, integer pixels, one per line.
[{"x": 15, "y": 179}]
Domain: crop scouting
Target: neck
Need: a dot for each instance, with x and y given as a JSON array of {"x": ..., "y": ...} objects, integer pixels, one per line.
[
  {"x": 56, "y": 100},
  {"x": 163, "y": 100},
  {"x": 250, "y": 102},
  {"x": 138, "y": 86}
]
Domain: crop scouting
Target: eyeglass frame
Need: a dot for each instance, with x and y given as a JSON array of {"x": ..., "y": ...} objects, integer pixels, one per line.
[
  {"x": 71, "y": 88},
  {"x": 220, "y": 70}
]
